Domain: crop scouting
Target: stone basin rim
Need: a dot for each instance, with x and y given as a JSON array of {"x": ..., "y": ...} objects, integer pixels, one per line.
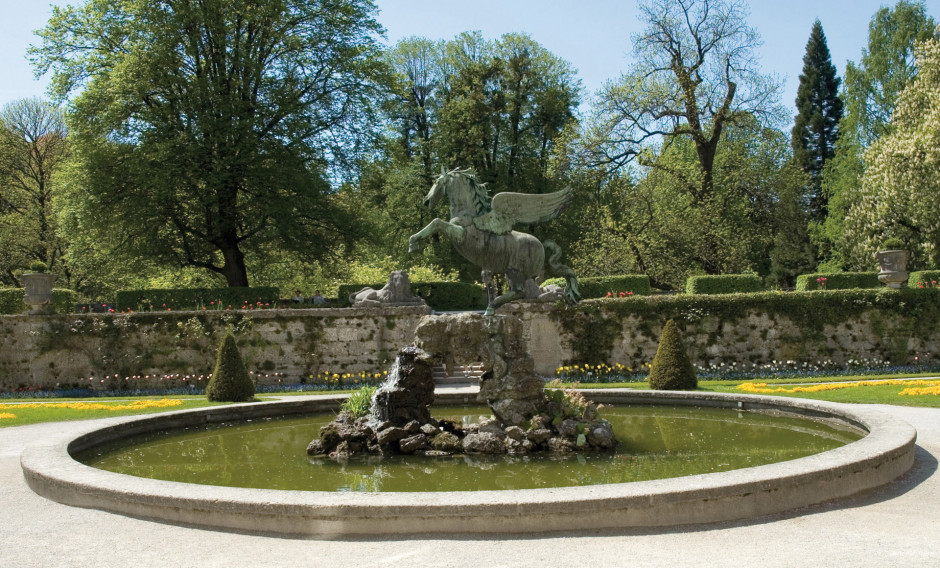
[{"x": 885, "y": 453}]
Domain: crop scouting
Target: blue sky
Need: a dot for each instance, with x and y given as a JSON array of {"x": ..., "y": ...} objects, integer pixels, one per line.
[{"x": 594, "y": 35}]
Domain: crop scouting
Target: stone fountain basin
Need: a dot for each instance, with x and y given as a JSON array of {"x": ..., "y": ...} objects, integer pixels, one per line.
[{"x": 885, "y": 453}]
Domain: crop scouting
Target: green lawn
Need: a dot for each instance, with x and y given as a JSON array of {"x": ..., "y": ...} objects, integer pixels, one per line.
[
  {"x": 49, "y": 411},
  {"x": 34, "y": 410},
  {"x": 54, "y": 410},
  {"x": 887, "y": 394}
]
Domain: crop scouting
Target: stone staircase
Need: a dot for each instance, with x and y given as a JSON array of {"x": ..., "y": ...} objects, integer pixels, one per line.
[{"x": 460, "y": 375}]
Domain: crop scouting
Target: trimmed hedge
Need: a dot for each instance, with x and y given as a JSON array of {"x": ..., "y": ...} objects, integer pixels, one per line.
[
  {"x": 837, "y": 281},
  {"x": 63, "y": 301},
  {"x": 928, "y": 277},
  {"x": 723, "y": 284},
  {"x": 11, "y": 301},
  {"x": 599, "y": 286},
  {"x": 441, "y": 296},
  {"x": 192, "y": 298}
]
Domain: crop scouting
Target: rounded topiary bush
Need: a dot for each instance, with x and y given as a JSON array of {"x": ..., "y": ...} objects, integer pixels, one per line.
[
  {"x": 672, "y": 369},
  {"x": 230, "y": 381}
]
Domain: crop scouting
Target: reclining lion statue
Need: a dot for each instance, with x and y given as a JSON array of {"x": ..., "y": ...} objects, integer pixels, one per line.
[{"x": 396, "y": 292}]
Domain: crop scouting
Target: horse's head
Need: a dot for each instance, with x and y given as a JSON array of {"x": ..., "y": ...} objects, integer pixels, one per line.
[
  {"x": 467, "y": 196},
  {"x": 438, "y": 189}
]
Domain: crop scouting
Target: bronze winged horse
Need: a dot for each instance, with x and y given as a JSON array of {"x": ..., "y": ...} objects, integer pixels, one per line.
[{"x": 481, "y": 230}]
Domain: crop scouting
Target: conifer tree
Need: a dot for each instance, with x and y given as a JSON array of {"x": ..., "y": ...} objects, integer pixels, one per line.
[
  {"x": 671, "y": 368},
  {"x": 230, "y": 381},
  {"x": 819, "y": 110}
]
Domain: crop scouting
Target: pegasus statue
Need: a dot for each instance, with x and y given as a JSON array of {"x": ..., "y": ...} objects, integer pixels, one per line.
[{"x": 480, "y": 228}]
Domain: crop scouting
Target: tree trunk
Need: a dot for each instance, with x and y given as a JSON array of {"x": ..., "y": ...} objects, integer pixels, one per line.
[
  {"x": 236, "y": 275},
  {"x": 706, "y": 161}
]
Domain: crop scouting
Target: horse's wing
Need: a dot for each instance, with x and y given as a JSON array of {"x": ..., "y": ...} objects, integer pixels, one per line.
[{"x": 509, "y": 209}]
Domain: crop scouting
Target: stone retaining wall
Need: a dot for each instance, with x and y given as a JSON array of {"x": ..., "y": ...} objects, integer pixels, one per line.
[
  {"x": 755, "y": 338},
  {"x": 146, "y": 350}
]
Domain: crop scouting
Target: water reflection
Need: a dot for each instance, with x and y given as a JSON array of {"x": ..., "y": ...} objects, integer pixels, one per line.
[{"x": 655, "y": 442}]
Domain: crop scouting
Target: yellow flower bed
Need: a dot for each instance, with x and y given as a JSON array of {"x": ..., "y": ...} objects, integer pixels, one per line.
[
  {"x": 600, "y": 369},
  {"x": 346, "y": 378},
  {"x": 929, "y": 387},
  {"x": 134, "y": 405},
  {"x": 934, "y": 390},
  {"x": 6, "y": 415}
]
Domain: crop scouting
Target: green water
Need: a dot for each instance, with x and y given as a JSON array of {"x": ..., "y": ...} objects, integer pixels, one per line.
[{"x": 655, "y": 443}]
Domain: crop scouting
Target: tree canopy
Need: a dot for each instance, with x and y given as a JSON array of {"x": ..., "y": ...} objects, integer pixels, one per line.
[
  {"x": 870, "y": 92},
  {"x": 205, "y": 130},
  {"x": 217, "y": 142},
  {"x": 695, "y": 76},
  {"x": 900, "y": 194}
]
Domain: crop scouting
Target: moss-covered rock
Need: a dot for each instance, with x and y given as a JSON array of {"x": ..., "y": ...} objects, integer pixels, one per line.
[
  {"x": 672, "y": 369},
  {"x": 230, "y": 381}
]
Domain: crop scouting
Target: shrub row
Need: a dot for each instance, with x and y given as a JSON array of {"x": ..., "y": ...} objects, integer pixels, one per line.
[
  {"x": 929, "y": 278},
  {"x": 441, "y": 296},
  {"x": 599, "y": 286},
  {"x": 193, "y": 298},
  {"x": 11, "y": 301},
  {"x": 837, "y": 281},
  {"x": 723, "y": 284}
]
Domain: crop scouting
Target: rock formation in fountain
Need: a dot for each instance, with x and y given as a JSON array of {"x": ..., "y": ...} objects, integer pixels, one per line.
[
  {"x": 509, "y": 384},
  {"x": 407, "y": 392},
  {"x": 524, "y": 418}
]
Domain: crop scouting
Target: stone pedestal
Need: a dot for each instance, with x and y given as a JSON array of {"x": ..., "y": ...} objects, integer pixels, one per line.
[
  {"x": 893, "y": 265},
  {"x": 38, "y": 291},
  {"x": 509, "y": 384}
]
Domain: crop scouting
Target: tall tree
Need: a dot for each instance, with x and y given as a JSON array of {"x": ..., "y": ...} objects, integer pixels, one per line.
[
  {"x": 696, "y": 75},
  {"x": 33, "y": 149},
  {"x": 654, "y": 226},
  {"x": 205, "y": 128},
  {"x": 503, "y": 105},
  {"x": 819, "y": 109},
  {"x": 900, "y": 193},
  {"x": 413, "y": 107}
]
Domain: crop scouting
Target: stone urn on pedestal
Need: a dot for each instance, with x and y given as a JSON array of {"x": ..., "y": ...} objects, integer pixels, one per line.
[
  {"x": 892, "y": 262},
  {"x": 37, "y": 286}
]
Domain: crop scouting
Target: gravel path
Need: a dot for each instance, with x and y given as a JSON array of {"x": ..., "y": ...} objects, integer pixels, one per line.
[{"x": 895, "y": 526}]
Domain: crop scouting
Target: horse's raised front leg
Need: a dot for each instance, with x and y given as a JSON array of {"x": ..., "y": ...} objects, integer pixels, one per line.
[{"x": 438, "y": 226}]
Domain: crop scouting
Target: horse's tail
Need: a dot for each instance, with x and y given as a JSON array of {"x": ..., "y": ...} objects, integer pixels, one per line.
[{"x": 571, "y": 294}]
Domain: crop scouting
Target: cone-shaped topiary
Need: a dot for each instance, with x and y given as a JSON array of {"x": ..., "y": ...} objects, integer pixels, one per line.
[
  {"x": 671, "y": 369},
  {"x": 230, "y": 381}
]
